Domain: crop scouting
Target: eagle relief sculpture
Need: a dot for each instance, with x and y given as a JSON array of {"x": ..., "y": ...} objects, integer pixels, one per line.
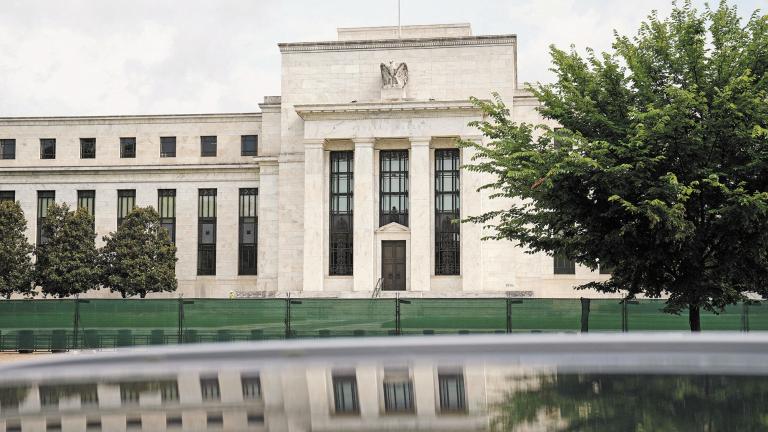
[{"x": 394, "y": 76}]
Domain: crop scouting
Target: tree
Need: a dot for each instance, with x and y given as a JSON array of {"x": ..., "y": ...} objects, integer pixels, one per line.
[
  {"x": 15, "y": 251},
  {"x": 139, "y": 257},
  {"x": 66, "y": 259},
  {"x": 660, "y": 171}
]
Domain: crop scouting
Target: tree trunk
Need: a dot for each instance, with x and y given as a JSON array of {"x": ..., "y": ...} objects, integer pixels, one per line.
[
  {"x": 142, "y": 294},
  {"x": 694, "y": 318},
  {"x": 122, "y": 294}
]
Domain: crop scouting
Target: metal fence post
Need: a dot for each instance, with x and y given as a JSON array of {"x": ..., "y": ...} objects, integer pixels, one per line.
[
  {"x": 745, "y": 317},
  {"x": 397, "y": 314},
  {"x": 76, "y": 323},
  {"x": 625, "y": 314},
  {"x": 585, "y": 302},
  {"x": 180, "y": 336},
  {"x": 288, "y": 303},
  {"x": 510, "y": 302}
]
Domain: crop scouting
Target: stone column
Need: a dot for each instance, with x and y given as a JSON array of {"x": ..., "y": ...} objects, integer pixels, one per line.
[
  {"x": 471, "y": 250},
  {"x": 268, "y": 230},
  {"x": 363, "y": 240},
  {"x": 420, "y": 199},
  {"x": 314, "y": 248}
]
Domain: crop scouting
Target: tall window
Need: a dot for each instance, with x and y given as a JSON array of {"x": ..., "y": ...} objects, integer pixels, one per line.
[
  {"x": 86, "y": 199},
  {"x": 451, "y": 392},
  {"x": 167, "y": 147},
  {"x": 345, "y": 394},
  {"x": 7, "y": 149},
  {"x": 393, "y": 193},
  {"x": 248, "y": 145},
  {"x": 251, "y": 387},
  {"x": 7, "y": 196},
  {"x": 447, "y": 233},
  {"x": 166, "y": 207},
  {"x": 340, "y": 230},
  {"x": 249, "y": 220},
  {"x": 87, "y": 148},
  {"x": 209, "y": 388},
  {"x": 398, "y": 391},
  {"x": 44, "y": 200},
  {"x": 563, "y": 265},
  {"x": 126, "y": 201},
  {"x": 47, "y": 148},
  {"x": 128, "y": 147},
  {"x": 206, "y": 232},
  {"x": 207, "y": 146}
]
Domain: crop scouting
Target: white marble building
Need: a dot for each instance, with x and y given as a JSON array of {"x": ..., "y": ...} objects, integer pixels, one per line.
[{"x": 348, "y": 178}]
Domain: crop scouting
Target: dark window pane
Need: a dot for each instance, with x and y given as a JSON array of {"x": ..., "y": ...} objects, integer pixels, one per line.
[
  {"x": 166, "y": 208},
  {"x": 87, "y": 148},
  {"x": 398, "y": 392},
  {"x": 44, "y": 200},
  {"x": 207, "y": 146},
  {"x": 168, "y": 147},
  {"x": 248, "y": 145},
  {"x": 248, "y": 226},
  {"x": 341, "y": 218},
  {"x": 126, "y": 201},
  {"x": 7, "y": 149},
  {"x": 251, "y": 387},
  {"x": 451, "y": 392},
  {"x": 128, "y": 147},
  {"x": 209, "y": 389},
  {"x": 563, "y": 265},
  {"x": 206, "y": 232},
  {"x": 393, "y": 188},
  {"x": 86, "y": 199},
  {"x": 7, "y": 196},
  {"x": 447, "y": 199},
  {"x": 345, "y": 394},
  {"x": 47, "y": 148}
]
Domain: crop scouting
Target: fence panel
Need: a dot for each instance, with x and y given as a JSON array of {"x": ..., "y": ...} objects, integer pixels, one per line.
[
  {"x": 118, "y": 323},
  {"x": 457, "y": 316},
  {"x": 347, "y": 317},
  {"x": 222, "y": 320},
  {"x": 546, "y": 315},
  {"x": 758, "y": 317},
  {"x": 730, "y": 319},
  {"x": 35, "y": 324},
  {"x": 605, "y": 315}
]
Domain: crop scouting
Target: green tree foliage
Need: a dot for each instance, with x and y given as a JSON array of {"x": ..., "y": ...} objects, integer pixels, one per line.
[
  {"x": 660, "y": 171},
  {"x": 66, "y": 260},
  {"x": 139, "y": 257},
  {"x": 669, "y": 403},
  {"x": 15, "y": 251}
]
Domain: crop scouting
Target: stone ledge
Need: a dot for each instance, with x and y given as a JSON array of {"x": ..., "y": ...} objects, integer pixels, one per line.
[{"x": 438, "y": 42}]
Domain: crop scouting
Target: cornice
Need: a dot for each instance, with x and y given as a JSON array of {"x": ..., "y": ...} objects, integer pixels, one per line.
[
  {"x": 351, "y": 111},
  {"x": 119, "y": 169},
  {"x": 391, "y": 44},
  {"x": 130, "y": 119}
]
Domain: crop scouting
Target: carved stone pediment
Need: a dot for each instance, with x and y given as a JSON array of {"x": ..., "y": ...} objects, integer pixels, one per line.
[{"x": 393, "y": 227}]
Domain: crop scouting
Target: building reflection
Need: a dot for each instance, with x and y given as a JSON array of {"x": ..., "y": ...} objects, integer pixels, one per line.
[{"x": 369, "y": 396}]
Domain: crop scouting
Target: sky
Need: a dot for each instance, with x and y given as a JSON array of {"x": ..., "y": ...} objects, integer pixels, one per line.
[{"x": 101, "y": 57}]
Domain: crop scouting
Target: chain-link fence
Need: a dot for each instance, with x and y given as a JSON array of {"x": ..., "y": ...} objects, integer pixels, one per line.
[{"x": 51, "y": 325}]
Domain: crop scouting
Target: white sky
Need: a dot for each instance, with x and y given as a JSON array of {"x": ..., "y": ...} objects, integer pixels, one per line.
[{"x": 92, "y": 57}]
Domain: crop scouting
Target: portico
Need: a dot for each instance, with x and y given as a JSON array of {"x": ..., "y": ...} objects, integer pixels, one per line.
[{"x": 367, "y": 130}]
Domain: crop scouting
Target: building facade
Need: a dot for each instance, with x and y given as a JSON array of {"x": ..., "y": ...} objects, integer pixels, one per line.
[{"x": 344, "y": 185}]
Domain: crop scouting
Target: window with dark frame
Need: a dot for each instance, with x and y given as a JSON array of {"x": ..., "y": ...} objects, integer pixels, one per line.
[
  {"x": 345, "y": 394},
  {"x": 47, "y": 148},
  {"x": 44, "y": 200},
  {"x": 166, "y": 208},
  {"x": 249, "y": 145},
  {"x": 8, "y": 196},
  {"x": 206, "y": 232},
  {"x": 209, "y": 389},
  {"x": 398, "y": 392},
  {"x": 341, "y": 213},
  {"x": 563, "y": 264},
  {"x": 167, "y": 147},
  {"x": 7, "y": 149},
  {"x": 451, "y": 388},
  {"x": 251, "y": 387},
  {"x": 207, "y": 146},
  {"x": 86, "y": 199},
  {"x": 87, "y": 148},
  {"x": 128, "y": 147},
  {"x": 447, "y": 200},
  {"x": 126, "y": 201},
  {"x": 393, "y": 190},
  {"x": 248, "y": 231}
]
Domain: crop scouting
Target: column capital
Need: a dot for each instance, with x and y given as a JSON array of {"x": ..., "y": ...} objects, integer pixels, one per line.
[
  {"x": 314, "y": 142},
  {"x": 363, "y": 141},
  {"x": 420, "y": 140}
]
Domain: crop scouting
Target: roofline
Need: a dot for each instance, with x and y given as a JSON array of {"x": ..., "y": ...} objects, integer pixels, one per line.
[
  {"x": 137, "y": 118},
  {"x": 389, "y": 44}
]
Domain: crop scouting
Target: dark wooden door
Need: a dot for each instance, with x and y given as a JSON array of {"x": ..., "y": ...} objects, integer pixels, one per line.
[{"x": 393, "y": 265}]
